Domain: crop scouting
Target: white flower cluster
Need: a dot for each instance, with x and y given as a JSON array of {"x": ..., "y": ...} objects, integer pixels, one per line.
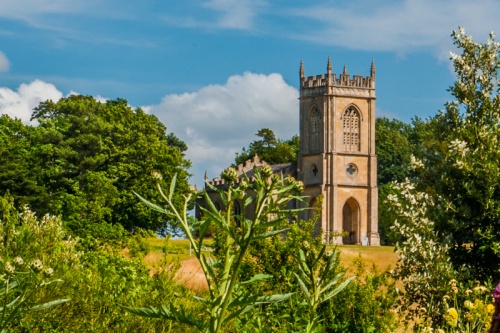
[
  {"x": 459, "y": 147},
  {"x": 423, "y": 260},
  {"x": 415, "y": 163}
]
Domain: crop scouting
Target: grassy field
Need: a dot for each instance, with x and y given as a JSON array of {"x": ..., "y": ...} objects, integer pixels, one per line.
[
  {"x": 190, "y": 274},
  {"x": 383, "y": 257}
]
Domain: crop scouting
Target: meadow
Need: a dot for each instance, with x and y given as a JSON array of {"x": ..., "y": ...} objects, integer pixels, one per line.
[{"x": 190, "y": 275}]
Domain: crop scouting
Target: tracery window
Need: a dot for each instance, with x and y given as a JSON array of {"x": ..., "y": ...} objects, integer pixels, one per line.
[
  {"x": 350, "y": 126},
  {"x": 314, "y": 130}
]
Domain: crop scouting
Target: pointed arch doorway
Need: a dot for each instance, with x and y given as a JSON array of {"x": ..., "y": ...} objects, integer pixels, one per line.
[{"x": 350, "y": 222}]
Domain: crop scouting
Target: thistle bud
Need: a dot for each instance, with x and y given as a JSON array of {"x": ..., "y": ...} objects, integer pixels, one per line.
[
  {"x": 156, "y": 175},
  {"x": 229, "y": 175},
  {"x": 299, "y": 186},
  {"x": 48, "y": 272},
  {"x": 266, "y": 171},
  {"x": 36, "y": 265},
  {"x": 9, "y": 269}
]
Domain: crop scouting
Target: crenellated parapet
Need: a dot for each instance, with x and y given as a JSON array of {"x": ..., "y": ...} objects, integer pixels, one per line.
[
  {"x": 342, "y": 84},
  {"x": 246, "y": 168}
]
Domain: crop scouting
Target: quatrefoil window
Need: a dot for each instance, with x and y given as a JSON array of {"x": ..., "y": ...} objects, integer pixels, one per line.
[{"x": 352, "y": 169}]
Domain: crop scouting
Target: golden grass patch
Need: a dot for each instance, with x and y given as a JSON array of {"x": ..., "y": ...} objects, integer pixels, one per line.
[
  {"x": 383, "y": 257},
  {"x": 191, "y": 275}
]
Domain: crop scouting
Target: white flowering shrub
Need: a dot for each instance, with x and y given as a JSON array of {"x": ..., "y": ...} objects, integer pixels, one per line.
[
  {"x": 423, "y": 263},
  {"x": 30, "y": 249},
  {"x": 460, "y": 165}
]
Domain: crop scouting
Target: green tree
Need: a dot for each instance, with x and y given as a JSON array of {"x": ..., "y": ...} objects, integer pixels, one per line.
[
  {"x": 19, "y": 168},
  {"x": 459, "y": 164},
  {"x": 89, "y": 156},
  {"x": 393, "y": 149},
  {"x": 270, "y": 149}
]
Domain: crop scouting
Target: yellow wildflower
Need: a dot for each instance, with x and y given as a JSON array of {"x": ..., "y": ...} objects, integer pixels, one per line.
[
  {"x": 490, "y": 308},
  {"x": 451, "y": 317}
]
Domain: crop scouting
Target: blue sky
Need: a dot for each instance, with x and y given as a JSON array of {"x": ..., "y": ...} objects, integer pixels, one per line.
[{"x": 217, "y": 71}]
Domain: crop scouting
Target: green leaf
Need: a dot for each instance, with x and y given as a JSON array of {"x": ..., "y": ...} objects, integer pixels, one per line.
[
  {"x": 152, "y": 205},
  {"x": 273, "y": 298},
  {"x": 177, "y": 315},
  {"x": 172, "y": 187},
  {"x": 203, "y": 227},
  {"x": 239, "y": 312},
  {"x": 337, "y": 290},
  {"x": 48, "y": 305},
  {"x": 201, "y": 300},
  {"x": 270, "y": 233},
  {"x": 303, "y": 287},
  {"x": 257, "y": 277},
  {"x": 318, "y": 257}
]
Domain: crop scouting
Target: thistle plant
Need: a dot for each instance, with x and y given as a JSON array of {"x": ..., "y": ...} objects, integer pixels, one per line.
[
  {"x": 268, "y": 197},
  {"x": 318, "y": 281},
  {"x": 19, "y": 284}
]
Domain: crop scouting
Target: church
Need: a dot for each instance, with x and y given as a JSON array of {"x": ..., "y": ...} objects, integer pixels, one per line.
[{"x": 337, "y": 158}]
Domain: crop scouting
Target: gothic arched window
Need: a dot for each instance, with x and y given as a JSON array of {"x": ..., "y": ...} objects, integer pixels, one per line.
[
  {"x": 350, "y": 128},
  {"x": 314, "y": 130}
]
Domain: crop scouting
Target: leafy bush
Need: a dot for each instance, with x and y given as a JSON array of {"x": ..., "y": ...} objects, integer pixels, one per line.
[
  {"x": 465, "y": 308},
  {"x": 32, "y": 253},
  {"x": 368, "y": 304},
  {"x": 40, "y": 267}
]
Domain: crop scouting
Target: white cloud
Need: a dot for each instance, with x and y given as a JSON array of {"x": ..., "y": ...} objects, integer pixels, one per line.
[
  {"x": 4, "y": 63},
  {"x": 20, "y": 104},
  {"x": 25, "y": 9},
  {"x": 396, "y": 26},
  {"x": 219, "y": 120},
  {"x": 221, "y": 14},
  {"x": 235, "y": 14}
]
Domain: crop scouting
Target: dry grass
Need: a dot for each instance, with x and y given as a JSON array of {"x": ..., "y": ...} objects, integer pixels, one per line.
[
  {"x": 191, "y": 275},
  {"x": 383, "y": 257}
]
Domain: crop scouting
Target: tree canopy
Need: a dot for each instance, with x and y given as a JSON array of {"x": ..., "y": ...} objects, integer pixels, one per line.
[
  {"x": 85, "y": 158},
  {"x": 270, "y": 149}
]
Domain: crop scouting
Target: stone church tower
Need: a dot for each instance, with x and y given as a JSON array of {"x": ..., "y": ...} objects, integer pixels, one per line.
[{"x": 337, "y": 154}]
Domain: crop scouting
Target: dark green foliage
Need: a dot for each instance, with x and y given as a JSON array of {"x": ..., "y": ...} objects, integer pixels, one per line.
[
  {"x": 19, "y": 168},
  {"x": 270, "y": 149},
  {"x": 386, "y": 217},
  {"x": 85, "y": 158},
  {"x": 393, "y": 149}
]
